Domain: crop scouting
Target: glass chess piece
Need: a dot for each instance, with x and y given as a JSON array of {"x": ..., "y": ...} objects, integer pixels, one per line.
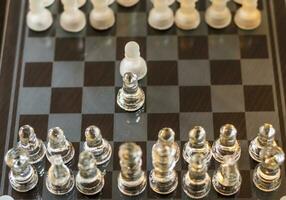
[
  {"x": 59, "y": 145},
  {"x": 130, "y": 97},
  {"x": 163, "y": 178},
  {"x": 6, "y": 197},
  {"x": 127, "y": 3},
  {"x": 132, "y": 180},
  {"x": 22, "y": 176},
  {"x": 102, "y": 16},
  {"x": 97, "y": 145},
  {"x": 60, "y": 179},
  {"x": 169, "y": 2},
  {"x": 197, "y": 144},
  {"x": 197, "y": 182},
  {"x": 227, "y": 179},
  {"x": 89, "y": 180},
  {"x": 265, "y": 137},
  {"x": 227, "y": 144},
  {"x": 48, "y": 3},
  {"x": 267, "y": 174}
]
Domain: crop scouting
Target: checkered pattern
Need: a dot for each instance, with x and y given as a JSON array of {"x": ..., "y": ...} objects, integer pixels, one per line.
[{"x": 203, "y": 77}]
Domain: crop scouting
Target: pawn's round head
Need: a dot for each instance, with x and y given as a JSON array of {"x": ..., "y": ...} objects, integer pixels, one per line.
[
  {"x": 132, "y": 50},
  {"x": 228, "y": 131},
  {"x": 166, "y": 135},
  {"x": 86, "y": 161},
  {"x": 197, "y": 135},
  {"x": 272, "y": 157},
  {"x": 267, "y": 131},
  {"x": 93, "y": 134},
  {"x": 17, "y": 158},
  {"x": 197, "y": 161},
  {"x": 26, "y": 134},
  {"x": 129, "y": 151},
  {"x": 56, "y": 137}
]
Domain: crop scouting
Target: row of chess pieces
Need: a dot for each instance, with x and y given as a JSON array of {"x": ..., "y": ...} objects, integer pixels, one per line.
[
  {"x": 161, "y": 16},
  {"x": 27, "y": 156}
]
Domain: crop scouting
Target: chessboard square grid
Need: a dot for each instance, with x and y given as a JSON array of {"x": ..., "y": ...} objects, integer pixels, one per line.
[
  {"x": 224, "y": 47},
  {"x": 122, "y": 41},
  {"x": 263, "y": 93},
  {"x": 99, "y": 74},
  {"x": 68, "y": 74},
  {"x": 130, "y": 127},
  {"x": 70, "y": 124},
  {"x": 237, "y": 119},
  {"x": 193, "y": 47},
  {"x": 69, "y": 49},
  {"x": 105, "y": 122},
  {"x": 100, "y": 48},
  {"x": 34, "y": 100},
  {"x": 226, "y": 98},
  {"x": 134, "y": 19},
  {"x": 38, "y": 74},
  {"x": 253, "y": 46},
  {"x": 162, "y": 47},
  {"x": 163, "y": 99},
  {"x": 66, "y": 100},
  {"x": 162, "y": 73},
  {"x": 225, "y": 72},
  {"x": 195, "y": 99}
]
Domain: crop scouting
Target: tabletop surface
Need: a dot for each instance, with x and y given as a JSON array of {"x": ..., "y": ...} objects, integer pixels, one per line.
[{"x": 203, "y": 77}]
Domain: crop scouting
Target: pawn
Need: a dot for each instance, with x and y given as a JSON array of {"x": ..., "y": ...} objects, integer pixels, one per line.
[
  {"x": 169, "y": 2},
  {"x": 197, "y": 182},
  {"x": 59, "y": 145},
  {"x": 227, "y": 179},
  {"x": 23, "y": 177},
  {"x": 72, "y": 19},
  {"x": 267, "y": 174},
  {"x": 132, "y": 61},
  {"x": 89, "y": 180},
  {"x": 98, "y": 146},
  {"x": 248, "y": 17},
  {"x": 132, "y": 179},
  {"x": 218, "y": 15},
  {"x": 48, "y": 3},
  {"x": 238, "y": 1},
  {"x": 187, "y": 17},
  {"x": 60, "y": 179},
  {"x": 80, "y": 3},
  {"x": 227, "y": 144},
  {"x": 101, "y": 17},
  {"x": 197, "y": 144},
  {"x": 39, "y": 18},
  {"x": 130, "y": 97},
  {"x": 266, "y": 137},
  {"x": 161, "y": 16},
  {"x": 127, "y": 3}
]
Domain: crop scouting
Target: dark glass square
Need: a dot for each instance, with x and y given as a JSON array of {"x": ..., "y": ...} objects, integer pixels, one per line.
[
  {"x": 70, "y": 49},
  {"x": 99, "y": 74},
  {"x": 193, "y": 47},
  {"x": 162, "y": 73},
  {"x": 253, "y": 46},
  {"x": 38, "y": 74}
]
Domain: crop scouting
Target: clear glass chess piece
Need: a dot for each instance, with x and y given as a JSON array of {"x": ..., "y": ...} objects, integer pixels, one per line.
[
  {"x": 227, "y": 179},
  {"x": 60, "y": 179},
  {"x": 197, "y": 182},
  {"x": 163, "y": 178},
  {"x": 59, "y": 145},
  {"x": 265, "y": 137},
  {"x": 22, "y": 177},
  {"x": 89, "y": 180},
  {"x": 227, "y": 144},
  {"x": 132, "y": 180},
  {"x": 267, "y": 174},
  {"x": 197, "y": 144},
  {"x": 130, "y": 97},
  {"x": 97, "y": 145}
]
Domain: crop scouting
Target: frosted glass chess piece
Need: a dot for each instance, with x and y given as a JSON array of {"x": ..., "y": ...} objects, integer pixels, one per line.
[
  {"x": 48, "y": 3},
  {"x": 166, "y": 136},
  {"x": 59, "y": 145},
  {"x": 72, "y": 18},
  {"x": 130, "y": 97},
  {"x": 101, "y": 17},
  {"x": 39, "y": 18},
  {"x": 98, "y": 146},
  {"x": 187, "y": 16},
  {"x": 197, "y": 144},
  {"x": 197, "y": 182},
  {"x": 133, "y": 62},
  {"x": 161, "y": 16},
  {"x": 227, "y": 144},
  {"x": 89, "y": 179},
  {"x": 169, "y": 2},
  {"x": 23, "y": 176},
  {"x": 80, "y": 3},
  {"x": 6, "y": 197},
  {"x": 163, "y": 178},
  {"x": 266, "y": 137},
  {"x": 127, "y": 3},
  {"x": 132, "y": 179},
  {"x": 267, "y": 174},
  {"x": 60, "y": 179},
  {"x": 238, "y": 1},
  {"x": 227, "y": 179},
  {"x": 248, "y": 17},
  {"x": 218, "y": 15}
]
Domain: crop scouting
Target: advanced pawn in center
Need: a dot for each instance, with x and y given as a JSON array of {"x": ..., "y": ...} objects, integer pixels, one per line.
[
  {"x": 101, "y": 17},
  {"x": 187, "y": 16}
]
